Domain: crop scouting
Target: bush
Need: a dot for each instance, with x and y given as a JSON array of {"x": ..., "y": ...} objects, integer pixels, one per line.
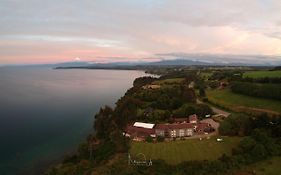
[
  {"x": 149, "y": 139},
  {"x": 160, "y": 139}
]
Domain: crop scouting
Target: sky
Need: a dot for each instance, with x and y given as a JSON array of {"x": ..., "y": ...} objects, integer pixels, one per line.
[{"x": 50, "y": 31}]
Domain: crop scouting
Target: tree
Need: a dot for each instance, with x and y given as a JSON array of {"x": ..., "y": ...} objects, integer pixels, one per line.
[
  {"x": 202, "y": 92},
  {"x": 236, "y": 124},
  {"x": 102, "y": 122},
  {"x": 261, "y": 121},
  {"x": 259, "y": 152},
  {"x": 149, "y": 139},
  {"x": 83, "y": 151},
  {"x": 160, "y": 139},
  {"x": 188, "y": 94},
  {"x": 92, "y": 141},
  {"x": 141, "y": 81},
  {"x": 246, "y": 145}
]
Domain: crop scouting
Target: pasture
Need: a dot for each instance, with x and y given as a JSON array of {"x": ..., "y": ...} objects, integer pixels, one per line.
[
  {"x": 242, "y": 103},
  {"x": 261, "y": 74},
  {"x": 175, "y": 152}
]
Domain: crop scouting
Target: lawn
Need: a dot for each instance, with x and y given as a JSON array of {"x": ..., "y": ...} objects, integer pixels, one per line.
[
  {"x": 175, "y": 152},
  {"x": 242, "y": 103},
  {"x": 267, "y": 167},
  {"x": 169, "y": 81},
  {"x": 260, "y": 74}
]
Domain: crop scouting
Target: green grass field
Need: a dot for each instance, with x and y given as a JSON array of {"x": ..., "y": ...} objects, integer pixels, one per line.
[
  {"x": 175, "y": 152},
  {"x": 267, "y": 167},
  {"x": 260, "y": 74},
  {"x": 241, "y": 103},
  {"x": 169, "y": 81}
]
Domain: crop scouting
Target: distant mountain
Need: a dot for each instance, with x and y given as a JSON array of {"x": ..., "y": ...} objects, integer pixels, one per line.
[
  {"x": 227, "y": 59},
  {"x": 178, "y": 62},
  {"x": 184, "y": 59},
  {"x": 132, "y": 65},
  {"x": 129, "y": 65},
  {"x": 64, "y": 64},
  {"x": 72, "y": 64}
]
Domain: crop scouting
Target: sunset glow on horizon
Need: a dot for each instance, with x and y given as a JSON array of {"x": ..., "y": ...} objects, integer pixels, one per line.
[{"x": 51, "y": 31}]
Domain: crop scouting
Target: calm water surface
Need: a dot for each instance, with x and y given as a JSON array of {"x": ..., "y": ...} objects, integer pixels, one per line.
[{"x": 45, "y": 113}]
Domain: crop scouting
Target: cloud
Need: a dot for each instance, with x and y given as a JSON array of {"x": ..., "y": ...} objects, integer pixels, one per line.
[{"x": 134, "y": 29}]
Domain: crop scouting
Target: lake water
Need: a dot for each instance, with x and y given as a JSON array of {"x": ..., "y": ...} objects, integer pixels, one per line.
[{"x": 46, "y": 113}]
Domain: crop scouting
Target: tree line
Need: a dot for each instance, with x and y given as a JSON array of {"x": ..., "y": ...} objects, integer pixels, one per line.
[
  {"x": 271, "y": 91},
  {"x": 273, "y": 80}
]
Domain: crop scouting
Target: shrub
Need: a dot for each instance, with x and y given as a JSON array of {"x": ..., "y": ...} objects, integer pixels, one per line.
[
  {"x": 149, "y": 139},
  {"x": 160, "y": 139}
]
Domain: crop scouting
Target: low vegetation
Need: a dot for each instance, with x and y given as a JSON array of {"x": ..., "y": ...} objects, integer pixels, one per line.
[{"x": 176, "y": 152}]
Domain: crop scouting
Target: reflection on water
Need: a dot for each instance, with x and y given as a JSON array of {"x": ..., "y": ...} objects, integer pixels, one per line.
[{"x": 45, "y": 113}]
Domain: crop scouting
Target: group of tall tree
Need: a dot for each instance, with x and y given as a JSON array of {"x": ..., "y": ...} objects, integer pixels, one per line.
[
  {"x": 242, "y": 125},
  {"x": 262, "y": 136}
]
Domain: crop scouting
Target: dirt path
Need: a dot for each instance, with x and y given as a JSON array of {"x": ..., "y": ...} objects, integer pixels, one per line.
[{"x": 215, "y": 109}]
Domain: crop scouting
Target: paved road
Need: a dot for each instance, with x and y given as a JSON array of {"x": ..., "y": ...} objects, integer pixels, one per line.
[{"x": 215, "y": 109}]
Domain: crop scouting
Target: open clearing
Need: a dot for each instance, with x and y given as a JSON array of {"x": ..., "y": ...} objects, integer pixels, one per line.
[
  {"x": 242, "y": 103},
  {"x": 175, "y": 152},
  {"x": 261, "y": 74}
]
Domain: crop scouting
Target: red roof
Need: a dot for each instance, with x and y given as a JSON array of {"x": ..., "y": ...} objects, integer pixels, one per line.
[
  {"x": 202, "y": 126},
  {"x": 180, "y": 119},
  {"x": 139, "y": 131},
  {"x": 174, "y": 126}
]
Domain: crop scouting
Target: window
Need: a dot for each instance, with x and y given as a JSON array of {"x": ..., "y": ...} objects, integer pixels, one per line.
[
  {"x": 173, "y": 133},
  {"x": 181, "y": 133},
  {"x": 189, "y": 132},
  {"x": 162, "y": 133}
]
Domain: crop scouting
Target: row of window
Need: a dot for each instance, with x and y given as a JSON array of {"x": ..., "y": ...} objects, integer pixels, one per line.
[{"x": 174, "y": 133}]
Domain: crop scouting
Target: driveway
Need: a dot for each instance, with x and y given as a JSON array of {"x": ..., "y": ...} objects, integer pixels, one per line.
[{"x": 215, "y": 109}]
